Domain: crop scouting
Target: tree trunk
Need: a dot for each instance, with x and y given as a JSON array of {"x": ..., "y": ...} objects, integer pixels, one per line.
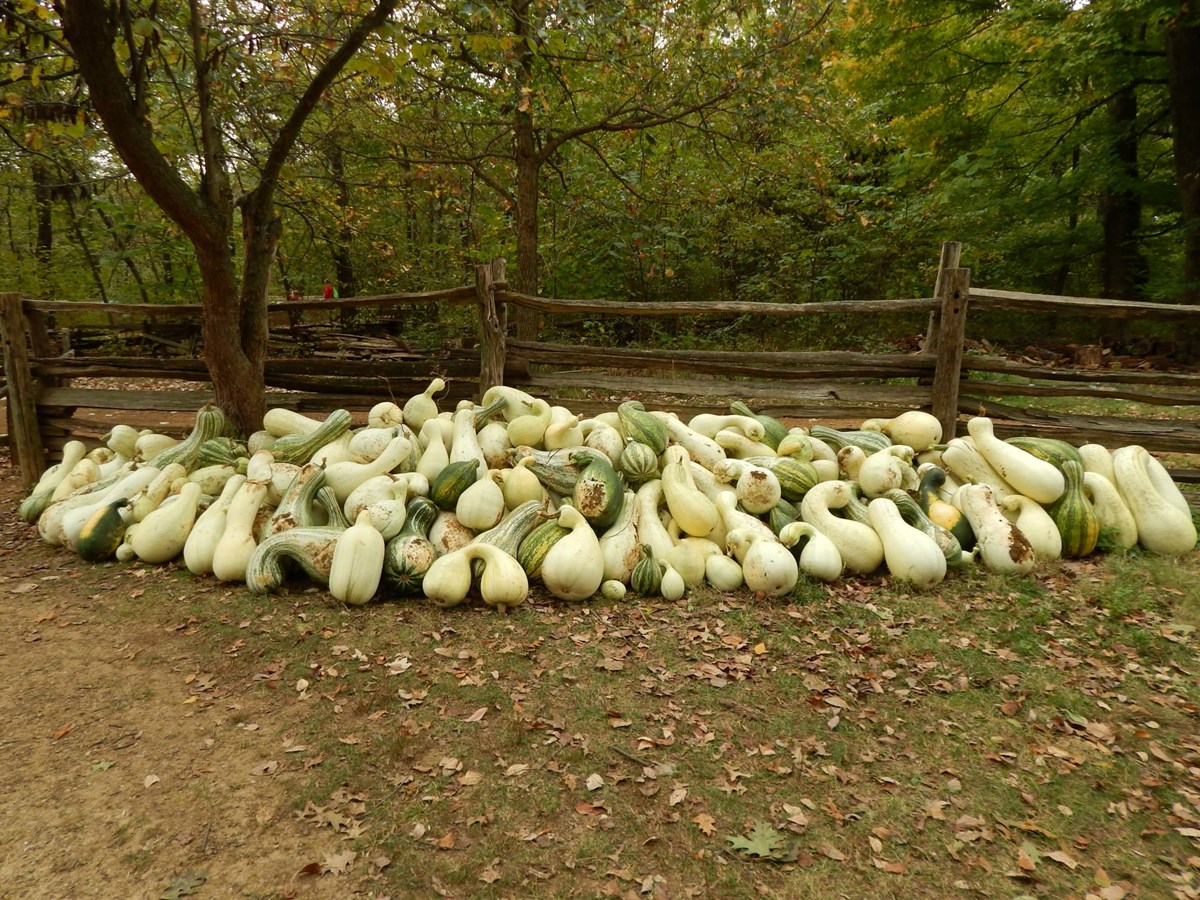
[
  {"x": 528, "y": 164},
  {"x": 1123, "y": 267},
  {"x": 1183, "y": 76},
  {"x": 43, "y": 248},
  {"x": 343, "y": 263}
]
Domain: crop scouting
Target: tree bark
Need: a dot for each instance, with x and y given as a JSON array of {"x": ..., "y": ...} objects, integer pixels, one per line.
[
  {"x": 1123, "y": 267},
  {"x": 527, "y": 165},
  {"x": 1183, "y": 78}
]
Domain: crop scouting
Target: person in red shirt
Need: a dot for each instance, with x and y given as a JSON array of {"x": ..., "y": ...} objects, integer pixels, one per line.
[{"x": 328, "y": 292}]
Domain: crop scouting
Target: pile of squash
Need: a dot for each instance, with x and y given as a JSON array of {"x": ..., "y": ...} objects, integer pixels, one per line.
[{"x": 489, "y": 496}]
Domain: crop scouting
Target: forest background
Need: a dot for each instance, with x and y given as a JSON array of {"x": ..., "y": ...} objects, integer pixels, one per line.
[{"x": 641, "y": 150}]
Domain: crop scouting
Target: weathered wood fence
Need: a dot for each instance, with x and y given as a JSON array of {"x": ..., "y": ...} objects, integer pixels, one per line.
[{"x": 832, "y": 385}]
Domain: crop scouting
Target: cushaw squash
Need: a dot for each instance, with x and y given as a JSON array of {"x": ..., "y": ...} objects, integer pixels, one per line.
[
  {"x": 201, "y": 545},
  {"x": 1002, "y": 546},
  {"x": 1035, "y": 478},
  {"x": 161, "y": 535},
  {"x": 39, "y": 498},
  {"x": 1162, "y": 526},
  {"x": 912, "y": 556},
  {"x": 860, "y": 547},
  {"x": 357, "y": 564},
  {"x": 1114, "y": 516},
  {"x": 237, "y": 543},
  {"x": 574, "y": 566}
]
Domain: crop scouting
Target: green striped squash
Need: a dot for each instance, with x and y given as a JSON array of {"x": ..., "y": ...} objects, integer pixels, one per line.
[{"x": 1073, "y": 514}]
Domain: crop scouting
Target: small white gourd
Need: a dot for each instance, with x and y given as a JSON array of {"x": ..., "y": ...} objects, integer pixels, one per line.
[
  {"x": 1035, "y": 523},
  {"x": 912, "y": 555},
  {"x": 357, "y": 563},
  {"x": 574, "y": 567}
]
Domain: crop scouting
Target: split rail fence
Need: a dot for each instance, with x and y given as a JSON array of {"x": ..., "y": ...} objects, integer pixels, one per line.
[{"x": 43, "y": 401}]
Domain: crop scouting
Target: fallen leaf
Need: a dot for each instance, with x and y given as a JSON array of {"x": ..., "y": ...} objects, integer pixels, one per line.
[
  {"x": 339, "y": 863},
  {"x": 677, "y": 796},
  {"x": 477, "y": 716},
  {"x": 150, "y": 780},
  {"x": 1061, "y": 856},
  {"x": 594, "y": 782},
  {"x": 381, "y": 862},
  {"x": 1025, "y": 859},
  {"x": 489, "y": 876},
  {"x": 312, "y": 869},
  {"x": 63, "y": 732},
  {"x": 467, "y": 779},
  {"x": 350, "y": 739},
  {"x": 706, "y": 823},
  {"x": 445, "y": 842},
  {"x": 516, "y": 769},
  {"x": 183, "y": 885},
  {"x": 833, "y": 853}
]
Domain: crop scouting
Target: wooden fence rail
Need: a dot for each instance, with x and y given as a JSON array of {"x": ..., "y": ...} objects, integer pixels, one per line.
[{"x": 48, "y": 345}]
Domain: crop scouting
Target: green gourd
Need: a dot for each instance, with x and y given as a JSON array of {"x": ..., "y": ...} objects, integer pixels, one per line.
[
  {"x": 1073, "y": 514},
  {"x": 647, "y": 574}
]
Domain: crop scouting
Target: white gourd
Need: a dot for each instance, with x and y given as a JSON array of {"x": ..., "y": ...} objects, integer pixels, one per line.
[
  {"x": 1097, "y": 458},
  {"x": 435, "y": 456},
  {"x": 966, "y": 465},
  {"x": 367, "y": 443},
  {"x": 619, "y": 545},
  {"x": 672, "y": 587},
  {"x": 737, "y": 445},
  {"x": 201, "y": 544},
  {"x": 465, "y": 444},
  {"x": 887, "y": 469},
  {"x": 827, "y": 469},
  {"x": 121, "y": 439},
  {"x": 385, "y": 414},
  {"x": 563, "y": 432},
  {"x": 723, "y": 572},
  {"x": 481, "y": 506},
  {"x": 420, "y": 407},
  {"x": 447, "y": 534},
  {"x": 650, "y": 527},
  {"x": 75, "y": 517},
  {"x": 604, "y": 438},
  {"x": 701, "y": 448},
  {"x": 758, "y": 490},
  {"x": 689, "y": 557},
  {"x": 860, "y": 547},
  {"x": 709, "y": 425},
  {"x": 1001, "y": 545},
  {"x": 914, "y": 428},
  {"x": 1035, "y": 523},
  {"x": 148, "y": 499},
  {"x": 519, "y": 484},
  {"x": 448, "y": 579},
  {"x": 503, "y": 583},
  {"x": 357, "y": 563},
  {"x": 336, "y": 451},
  {"x": 819, "y": 557},
  {"x": 574, "y": 567},
  {"x": 768, "y": 567},
  {"x": 1035, "y": 478},
  {"x": 912, "y": 555},
  {"x": 820, "y": 450},
  {"x": 1111, "y": 509},
  {"x": 529, "y": 429},
  {"x": 83, "y": 473},
  {"x": 850, "y": 461},
  {"x": 236, "y": 546},
  {"x": 612, "y": 590},
  {"x": 1165, "y": 485},
  {"x": 1162, "y": 527},
  {"x": 150, "y": 444},
  {"x": 494, "y": 444},
  {"x": 733, "y": 518},
  {"x": 344, "y": 477},
  {"x": 162, "y": 535},
  {"x": 282, "y": 422},
  {"x": 695, "y": 513},
  {"x": 377, "y": 487},
  {"x": 516, "y": 402}
]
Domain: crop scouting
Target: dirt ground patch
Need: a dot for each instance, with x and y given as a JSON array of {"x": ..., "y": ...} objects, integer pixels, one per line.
[{"x": 132, "y": 760}]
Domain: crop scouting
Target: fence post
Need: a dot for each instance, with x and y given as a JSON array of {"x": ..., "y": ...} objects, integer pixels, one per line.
[
  {"x": 25, "y": 437},
  {"x": 953, "y": 291},
  {"x": 951, "y": 254},
  {"x": 492, "y": 325}
]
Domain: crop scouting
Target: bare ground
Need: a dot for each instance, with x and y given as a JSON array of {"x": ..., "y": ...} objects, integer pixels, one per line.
[{"x": 127, "y": 767}]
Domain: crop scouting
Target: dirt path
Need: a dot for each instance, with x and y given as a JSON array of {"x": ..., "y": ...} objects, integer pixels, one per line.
[{"x": 127, "y": 764}]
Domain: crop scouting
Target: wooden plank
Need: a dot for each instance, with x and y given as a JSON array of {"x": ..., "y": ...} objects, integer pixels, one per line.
[
  {"x": 1063, "y": 373},
  {"x": 1094, "y": 391},
  {"x": 453, "y": 295},
  {"x": 785, "y": 364},
  {"x": 902, "y": 396},
  {"x": 1092, "y": 307},
  {"x": 25, "y": 437},
  {"x": 954, "y": 285},
  {"x": 716, "y": 307},
  {"x": 1165, "y": 435}
]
